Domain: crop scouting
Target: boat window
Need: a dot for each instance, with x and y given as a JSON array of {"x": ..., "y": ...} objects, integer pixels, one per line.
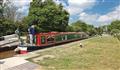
[{"x": 42, "y": 39}]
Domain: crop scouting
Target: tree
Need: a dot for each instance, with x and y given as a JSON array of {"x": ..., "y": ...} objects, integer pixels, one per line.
[
  {"x": 1, "y": 16},
  {"x": 10, "y": 10},
  {"x": 48, "y": 16},
  {"x": 7, "y": 25},
  {"x": 69, "y": 28},
  {"x": 79, "y": 26},
  {"x": 114, "y": 25},
  {"x": 114, "y": 29},
  {"x": 1, "y": 11},
  {"x": 91, "y": 30},
  {"x": 115, "y": 32},
  {"x": 99, "y": 30}
]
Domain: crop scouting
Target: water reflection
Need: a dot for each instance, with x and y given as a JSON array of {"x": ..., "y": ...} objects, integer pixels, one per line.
[{"x": 7, "y": 54}]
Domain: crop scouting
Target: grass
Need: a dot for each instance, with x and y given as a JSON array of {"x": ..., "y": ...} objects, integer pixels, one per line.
[{"x": 99, "y": 53}]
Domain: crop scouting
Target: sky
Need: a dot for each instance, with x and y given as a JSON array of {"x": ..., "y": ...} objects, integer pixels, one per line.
[{"x": 95, "y": 12}]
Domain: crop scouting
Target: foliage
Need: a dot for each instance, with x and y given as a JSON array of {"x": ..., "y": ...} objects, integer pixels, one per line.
[
  {"x": 7, "y": 18},
  {"x": 69, "y": 28},
  {"x": 48, "y": 16},
  {"x": 22, "y": 26},
  {"x": 1, "y": 12},
  {"x": 114, "y": 25},
  {"x": 80, "y": 26},
  {"x": 10, "y": 10},
  {"x": 91, "y": 30},
  {"x": 99, "y": 30},
  {"x": 7, "y": 27},
  {"x": 114, "y": 32},
  {"x": 1, "y": 18},
  {"x": 114, "y": 29}
]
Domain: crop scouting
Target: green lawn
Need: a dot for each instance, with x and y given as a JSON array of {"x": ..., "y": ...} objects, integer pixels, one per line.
[{"x": 99, "y": 53}]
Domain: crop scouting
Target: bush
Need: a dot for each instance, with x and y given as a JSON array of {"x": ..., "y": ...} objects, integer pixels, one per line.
[{"x": 116, "y": 33}]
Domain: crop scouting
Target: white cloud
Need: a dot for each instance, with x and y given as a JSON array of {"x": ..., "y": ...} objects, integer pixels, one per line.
[
  {"x": 83, "y": 14},
  {"x": 21, "y": 3},
  {"x": 77, "y": 6},
  {"x": 89, "y": 18},
  {"x": 43, "y": 0},
  {"x": 98, "y": 20},
  {"x": 111, "y": 15},
  {"x": 22, "y": 9},
  {"x": 79, "y": 2},
  {"x": 23, "y": 6}
]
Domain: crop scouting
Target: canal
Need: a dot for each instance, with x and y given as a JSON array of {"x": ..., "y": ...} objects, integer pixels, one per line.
[{"x": 7, "y": 54}]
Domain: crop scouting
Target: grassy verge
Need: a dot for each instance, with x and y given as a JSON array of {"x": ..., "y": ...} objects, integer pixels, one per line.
[{"x": 98, "y": 53}]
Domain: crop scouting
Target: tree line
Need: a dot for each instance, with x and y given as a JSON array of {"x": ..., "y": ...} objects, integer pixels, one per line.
[
  {"x": 47, "y": 16},
  {"x": 8, "y": 15}
]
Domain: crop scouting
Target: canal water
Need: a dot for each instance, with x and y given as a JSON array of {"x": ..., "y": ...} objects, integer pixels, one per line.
[{"x": 7, "y": 54}]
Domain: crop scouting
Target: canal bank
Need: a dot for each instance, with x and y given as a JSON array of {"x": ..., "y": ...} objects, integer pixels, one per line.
[
  {"x": 21, "y": 61},
  {"x": 17, "y": 63}
]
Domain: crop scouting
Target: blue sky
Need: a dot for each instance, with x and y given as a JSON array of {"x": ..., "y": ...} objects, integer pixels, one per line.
[
  {"x": 103, "y": 7},
  {"x": 95, "y": 12}
]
